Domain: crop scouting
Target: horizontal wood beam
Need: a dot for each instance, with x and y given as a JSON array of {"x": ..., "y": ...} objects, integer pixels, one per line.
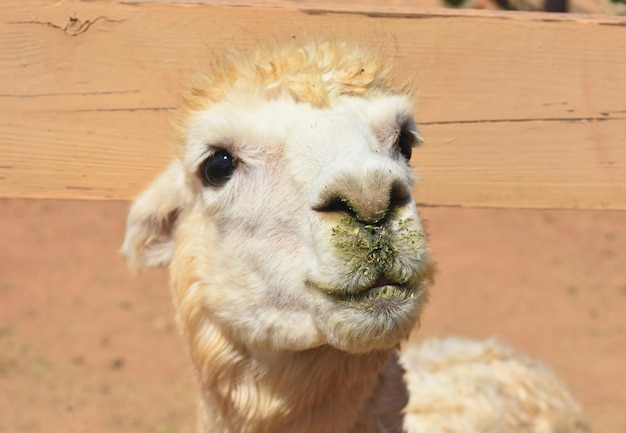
[{"x": 518, "y": 110}]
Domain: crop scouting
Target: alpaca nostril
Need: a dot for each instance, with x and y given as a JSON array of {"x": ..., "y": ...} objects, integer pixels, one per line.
[
  {"x": 334, "y": 204},
  {"x": 399, "y": 195},
  {"x": 367, "y": 192},
  {"x": 366, "y": 211},
  {"x": 368, "y": 208}
]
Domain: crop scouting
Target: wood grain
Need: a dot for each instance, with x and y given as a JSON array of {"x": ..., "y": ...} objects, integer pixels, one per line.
[{"x": 518, "y": 110}]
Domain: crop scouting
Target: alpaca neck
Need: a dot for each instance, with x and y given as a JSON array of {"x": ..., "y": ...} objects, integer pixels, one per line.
[{"x": 319, "y": 390}]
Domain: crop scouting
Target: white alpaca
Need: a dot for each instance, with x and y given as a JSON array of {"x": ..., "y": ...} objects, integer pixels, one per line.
[{"x": 299, "y": 264}]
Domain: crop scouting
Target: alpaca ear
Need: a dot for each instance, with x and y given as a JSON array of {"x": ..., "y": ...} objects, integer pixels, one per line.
[{"x": 151, "y": 223}]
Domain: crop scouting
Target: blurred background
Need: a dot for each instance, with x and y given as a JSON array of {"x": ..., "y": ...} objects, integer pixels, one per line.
[{"x": 608, "y": 7}]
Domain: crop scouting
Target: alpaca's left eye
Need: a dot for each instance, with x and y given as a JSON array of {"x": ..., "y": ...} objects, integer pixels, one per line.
[
  {"x": 218, "y": 168},
  {"x": 405, "y": 142}
]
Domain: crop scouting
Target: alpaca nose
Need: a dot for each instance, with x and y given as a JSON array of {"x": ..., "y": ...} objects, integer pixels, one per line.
[{"x": 368, "y": 194}]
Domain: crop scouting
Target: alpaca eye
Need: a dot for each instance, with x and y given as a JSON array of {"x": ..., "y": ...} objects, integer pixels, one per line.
[
  {"x": 218, "y": 168},
  {"x": 405, "y": 143}
]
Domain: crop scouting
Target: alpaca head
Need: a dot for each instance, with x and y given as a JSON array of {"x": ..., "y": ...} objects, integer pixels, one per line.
[{"x": 287, "y": 217}]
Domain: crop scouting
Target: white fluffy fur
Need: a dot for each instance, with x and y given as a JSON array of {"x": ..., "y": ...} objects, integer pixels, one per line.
[
  {"x": 271, "y": 272},
  {"x": 462, "y": 385}
]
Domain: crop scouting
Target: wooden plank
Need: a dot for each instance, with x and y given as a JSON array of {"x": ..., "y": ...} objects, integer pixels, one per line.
[{"x": 518, "y": 110}]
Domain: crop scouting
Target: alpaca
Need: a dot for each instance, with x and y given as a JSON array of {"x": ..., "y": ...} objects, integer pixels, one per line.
[{"x": 299, "y": 264}]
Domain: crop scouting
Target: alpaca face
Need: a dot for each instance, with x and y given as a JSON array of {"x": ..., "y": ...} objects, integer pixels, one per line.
[
  {"x": 300, "y": 229},
  {"x": 287, "y": 217}
]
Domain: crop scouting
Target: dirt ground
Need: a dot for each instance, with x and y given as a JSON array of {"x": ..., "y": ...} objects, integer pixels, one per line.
[{"x": 86, "y": 346}]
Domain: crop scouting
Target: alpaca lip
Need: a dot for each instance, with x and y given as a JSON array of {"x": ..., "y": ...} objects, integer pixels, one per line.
[
  {"x": 379, "y": 297},
  {"x": 382, "y": 292},
  {"x": 386, "y": 291}
]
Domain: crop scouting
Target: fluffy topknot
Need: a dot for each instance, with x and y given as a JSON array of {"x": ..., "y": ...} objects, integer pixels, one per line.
[{"x": 314, "y": 73}]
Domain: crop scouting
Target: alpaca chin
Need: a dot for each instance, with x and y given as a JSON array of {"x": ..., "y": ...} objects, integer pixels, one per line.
[{"x": 375, "y": 319}]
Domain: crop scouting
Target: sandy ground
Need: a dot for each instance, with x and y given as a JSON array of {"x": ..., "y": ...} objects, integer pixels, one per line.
[{"x": 86, "y": 346}]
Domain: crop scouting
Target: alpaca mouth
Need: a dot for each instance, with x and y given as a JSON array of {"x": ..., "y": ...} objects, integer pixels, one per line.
[
  {"x": 388, "y": 297},
  {"x": 380, "y": 297}
]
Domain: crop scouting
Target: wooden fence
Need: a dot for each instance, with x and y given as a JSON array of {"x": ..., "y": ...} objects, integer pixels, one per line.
[{"x": 517, "y": 109}]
